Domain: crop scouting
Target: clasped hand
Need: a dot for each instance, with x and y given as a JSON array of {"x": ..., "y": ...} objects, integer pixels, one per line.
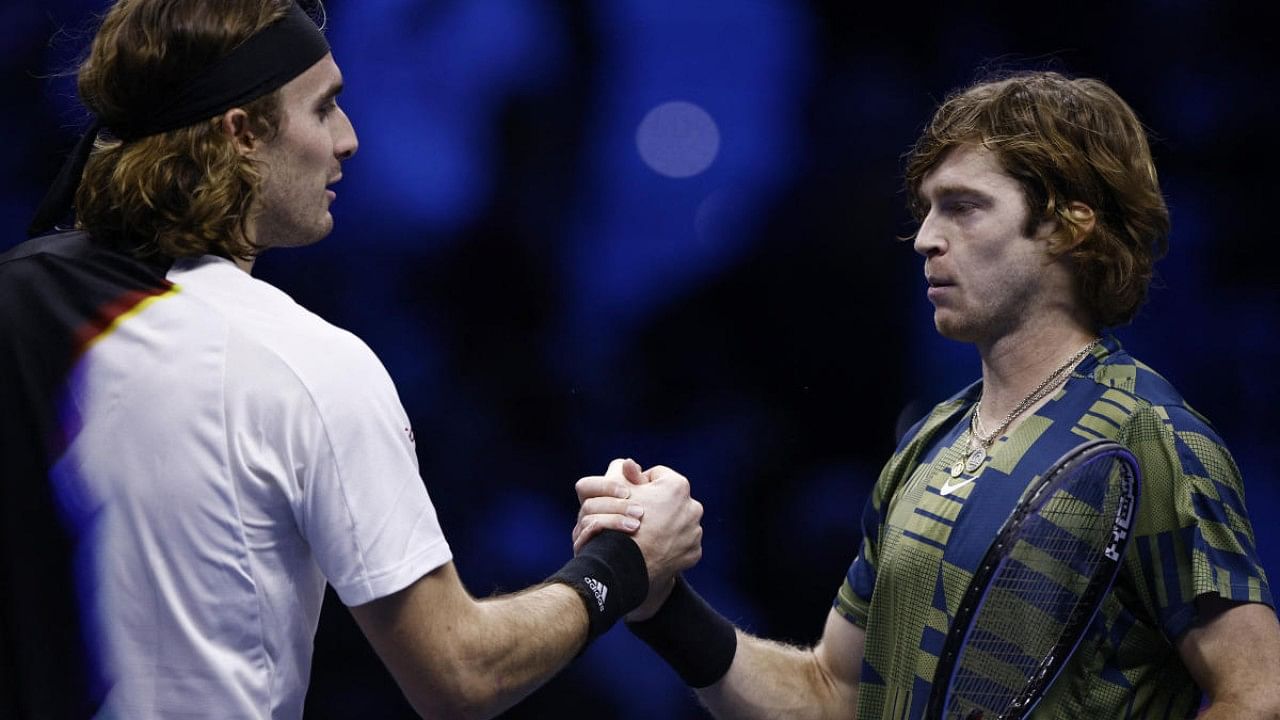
[{"x": 655, "y": 507}]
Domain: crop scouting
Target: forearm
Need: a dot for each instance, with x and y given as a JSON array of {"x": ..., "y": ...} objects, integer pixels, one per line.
[
  {"x": 770, "y": 680},
  {"x": 499, "y": 665},
  {"x": 1240, "y": 685},
  {"x": 1229, "y": 710},
  {"x": 458, "y": 657}
]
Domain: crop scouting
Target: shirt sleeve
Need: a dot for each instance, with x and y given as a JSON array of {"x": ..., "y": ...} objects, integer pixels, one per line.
[
  {"x": 1193, "y": 535},
  {"x": 853, "y": 601},
  {"x": 363, "y": 507}
]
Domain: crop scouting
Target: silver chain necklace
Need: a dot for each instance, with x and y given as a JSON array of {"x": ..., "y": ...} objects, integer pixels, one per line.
[{"x": 978, "y": 454}]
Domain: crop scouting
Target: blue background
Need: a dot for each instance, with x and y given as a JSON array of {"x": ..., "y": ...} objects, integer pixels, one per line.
[{"x": 555, "y": 277}]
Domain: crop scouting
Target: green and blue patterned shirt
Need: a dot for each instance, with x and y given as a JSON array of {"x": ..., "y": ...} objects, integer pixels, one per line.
[{"x": 924, "y": 533}]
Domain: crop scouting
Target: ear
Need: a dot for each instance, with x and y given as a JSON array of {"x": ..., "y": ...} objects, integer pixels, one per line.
[
  {"x": 1075, "y": 222},
  {"x": 235, "y": 124}
]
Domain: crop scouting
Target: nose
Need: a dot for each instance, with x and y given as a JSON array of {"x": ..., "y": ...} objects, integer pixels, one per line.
[
  {"x": 928, "y": 240},
  {"x": 345, "y": 141}
]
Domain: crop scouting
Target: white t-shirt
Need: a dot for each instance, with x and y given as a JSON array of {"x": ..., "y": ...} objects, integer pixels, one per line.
[{"x": 230, "y": 452}]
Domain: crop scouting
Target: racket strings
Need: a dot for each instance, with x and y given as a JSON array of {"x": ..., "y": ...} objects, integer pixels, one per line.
[{"x": 1039, "y": 595}]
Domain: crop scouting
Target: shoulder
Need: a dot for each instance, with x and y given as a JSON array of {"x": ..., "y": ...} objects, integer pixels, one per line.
[
  {"x": 56, "y": 244},
  {"x": 61, "y": 268},
  {"x": 273, "y": 343},
  {"x": 1176, "y": 446},
  {"x": 1134, "y": 396},
  {"x": 924, "y": 426},
  {"x": 916, "y": 441}
]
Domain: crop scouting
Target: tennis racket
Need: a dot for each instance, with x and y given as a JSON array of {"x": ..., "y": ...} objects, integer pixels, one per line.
[{"x": 1038, "y": 587}]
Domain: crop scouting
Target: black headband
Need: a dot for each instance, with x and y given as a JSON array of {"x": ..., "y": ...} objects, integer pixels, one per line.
[{"x": 258, "y": 66}]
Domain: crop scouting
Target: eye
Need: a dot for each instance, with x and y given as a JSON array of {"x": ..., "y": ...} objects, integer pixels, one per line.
[
  {"x": 960, "y": 207},
  {"x": 327, "y": 109}
]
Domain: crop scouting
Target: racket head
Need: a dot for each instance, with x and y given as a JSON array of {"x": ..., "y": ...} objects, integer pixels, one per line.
[{"x": 1039, "y": 586}]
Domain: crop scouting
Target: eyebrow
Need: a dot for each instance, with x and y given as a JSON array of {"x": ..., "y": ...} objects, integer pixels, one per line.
[
  {"x": 954, "y": 190},
  {"x": 945, "y": 192},
  {"x": 333, "y": 92}
]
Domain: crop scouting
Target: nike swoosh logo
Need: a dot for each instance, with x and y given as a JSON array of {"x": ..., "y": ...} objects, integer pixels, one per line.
[{"x": 948, "y": 488}]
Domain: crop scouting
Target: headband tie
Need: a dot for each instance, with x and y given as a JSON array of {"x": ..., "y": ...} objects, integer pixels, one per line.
[{"x": 257, "y": 67}]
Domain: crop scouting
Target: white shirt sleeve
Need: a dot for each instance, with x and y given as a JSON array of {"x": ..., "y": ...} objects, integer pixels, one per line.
[
  {"x": 355, "y": 491},
  {"x": 364, "y": 508}
]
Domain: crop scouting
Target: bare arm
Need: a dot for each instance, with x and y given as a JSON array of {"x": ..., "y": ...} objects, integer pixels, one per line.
[
  {"x": 458, "y": 657},
  {"x": 766, "y": 679},
  {"x": 1233, "y": 654},
  {"x": 770, "y": 680}
]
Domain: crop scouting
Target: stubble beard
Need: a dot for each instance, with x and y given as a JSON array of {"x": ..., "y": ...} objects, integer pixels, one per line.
[
  {"x": 288, "y": 220},
  {"x": 1009, "y": 306}
]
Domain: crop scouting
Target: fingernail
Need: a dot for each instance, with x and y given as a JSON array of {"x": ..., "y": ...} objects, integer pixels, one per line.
[
  {"x": 635, "y": 511},
  {"x": 630, "y": 523},
  {"x": 621, "y": 491}
]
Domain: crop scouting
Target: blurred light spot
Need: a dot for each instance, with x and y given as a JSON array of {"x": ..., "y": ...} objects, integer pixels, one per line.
[{"x": 678, "y": 139}]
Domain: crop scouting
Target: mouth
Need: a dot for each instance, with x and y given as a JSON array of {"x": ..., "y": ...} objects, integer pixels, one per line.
[{"x": 938, "y": 287}]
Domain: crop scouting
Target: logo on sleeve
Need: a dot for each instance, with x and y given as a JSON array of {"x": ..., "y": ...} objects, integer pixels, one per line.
[{"x": 600, "y": 589}]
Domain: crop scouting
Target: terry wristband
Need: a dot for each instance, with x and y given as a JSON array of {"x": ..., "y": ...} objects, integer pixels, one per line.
[
  {"x": 695, "y": 640},
  {"x": 610, "y": 575}
]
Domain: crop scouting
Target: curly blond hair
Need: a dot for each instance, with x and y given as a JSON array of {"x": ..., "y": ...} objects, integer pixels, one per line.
[
  {"x": 186, "y": 192},
  {"x": 1064, "y": 140}
]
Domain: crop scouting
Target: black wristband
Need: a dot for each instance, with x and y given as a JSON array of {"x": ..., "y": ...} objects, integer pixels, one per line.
[
  {"x": 610, "y": 575},
  {"x": 695, "y": 640}
]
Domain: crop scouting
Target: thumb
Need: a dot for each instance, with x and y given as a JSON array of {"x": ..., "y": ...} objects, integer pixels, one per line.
[{"x": 633, "y": 473}]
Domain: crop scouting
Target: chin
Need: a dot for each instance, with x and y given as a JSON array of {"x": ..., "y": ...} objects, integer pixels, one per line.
[
  {"x": 325, "y": 228},
  {"x": 315, "y": 233},
  {"x": 952, "y": 328}
]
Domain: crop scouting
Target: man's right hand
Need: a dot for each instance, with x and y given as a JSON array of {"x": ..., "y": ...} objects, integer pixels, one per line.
[{"x": 669, "y": 532}]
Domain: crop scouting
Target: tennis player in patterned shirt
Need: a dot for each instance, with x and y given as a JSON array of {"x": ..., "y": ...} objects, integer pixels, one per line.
[{"x": 1040, "y": 219}]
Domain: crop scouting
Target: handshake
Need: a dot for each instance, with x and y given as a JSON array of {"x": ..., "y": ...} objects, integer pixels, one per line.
[
  {"x": 637, "y": 530},
  {"x": 655, "y": 508}
]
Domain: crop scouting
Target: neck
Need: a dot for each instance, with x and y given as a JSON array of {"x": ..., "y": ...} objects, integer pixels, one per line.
[
  {"x": 1015, "y": 364},
  {"x": 245, "y": 265}
]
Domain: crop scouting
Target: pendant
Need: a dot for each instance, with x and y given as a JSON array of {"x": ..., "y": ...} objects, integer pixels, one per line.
[
  {"x": 975, "y": 460},
  {"x": 957, "y": 468}
]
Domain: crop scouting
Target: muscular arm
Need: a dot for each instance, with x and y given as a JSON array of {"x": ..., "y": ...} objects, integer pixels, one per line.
[
  {"x": 772, "y": 680},
  {"x": 458, "y": 657},
  {"x": 766, "y": 679},
  {"x": 1233, "y": 655}
]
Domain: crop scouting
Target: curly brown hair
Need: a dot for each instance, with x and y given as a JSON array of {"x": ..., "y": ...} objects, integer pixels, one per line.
[
  {"x": 186, "y": 192},
  {"x": 1064, "y": 140}
]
